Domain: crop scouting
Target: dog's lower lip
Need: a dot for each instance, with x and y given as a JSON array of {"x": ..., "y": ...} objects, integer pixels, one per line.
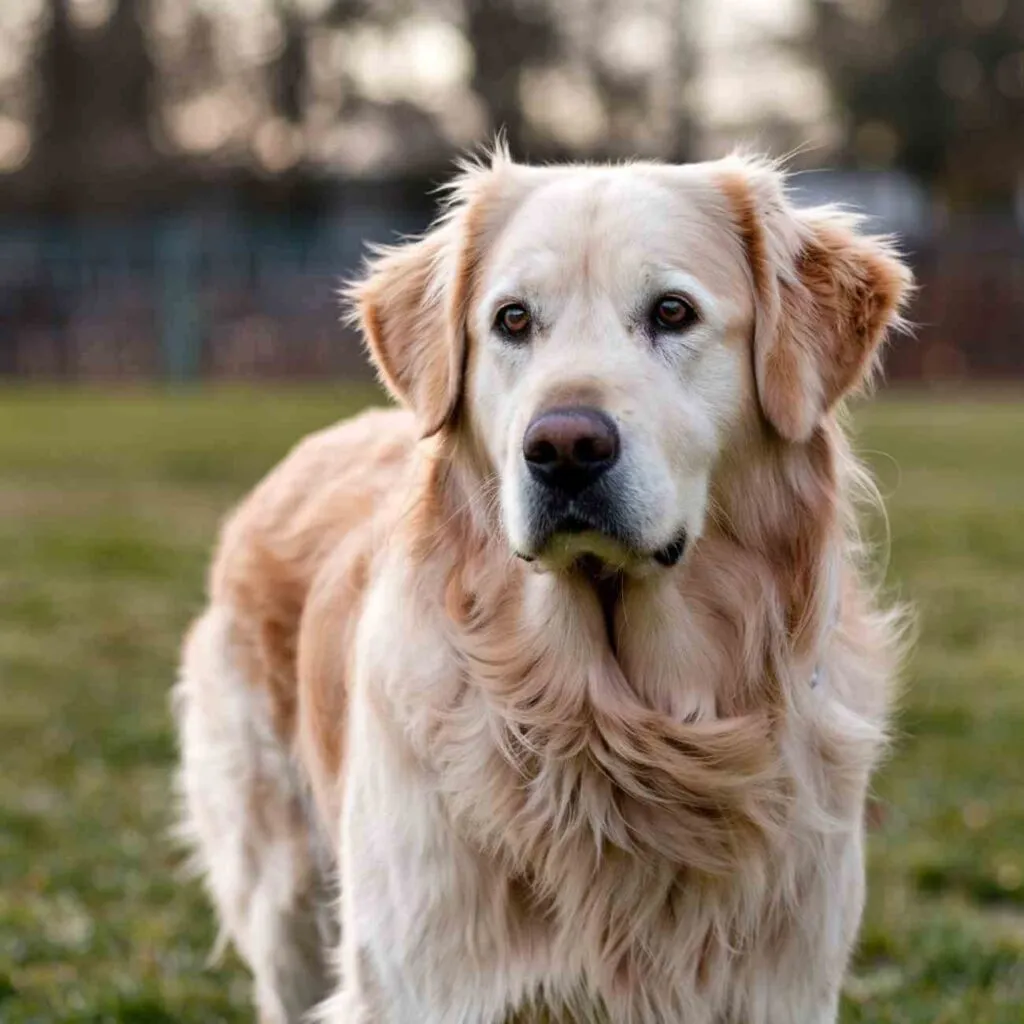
[
  {"x": 574, "y": 524},
  {"x": 670, "y": 554}
]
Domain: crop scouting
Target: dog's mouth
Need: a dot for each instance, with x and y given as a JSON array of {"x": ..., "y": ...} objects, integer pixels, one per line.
[
  {"x": 600, "y": 548},
  {"x": 672, "y": 552}
]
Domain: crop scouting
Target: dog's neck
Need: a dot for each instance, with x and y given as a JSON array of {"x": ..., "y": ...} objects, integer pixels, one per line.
[
  {"x": 669, "y": 691},
  {"x": 608, "y": 586},
  {"x": 718, "y": 635}
]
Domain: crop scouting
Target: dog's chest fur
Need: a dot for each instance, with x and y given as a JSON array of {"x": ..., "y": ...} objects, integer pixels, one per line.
[{"x": 628, "y": 860}]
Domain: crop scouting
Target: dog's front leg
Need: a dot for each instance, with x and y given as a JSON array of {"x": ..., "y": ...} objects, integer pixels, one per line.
[
  {"x": 420, "y": 926},
  {"x": 797, "y": 979},
  {"x": 406, "y": 957}
]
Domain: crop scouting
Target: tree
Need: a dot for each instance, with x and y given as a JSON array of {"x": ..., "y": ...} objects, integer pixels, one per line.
[
  {"x": 510, "y": 39},
  {"x": 94, "y": 103},
  {"x": 932, "y": 86}
]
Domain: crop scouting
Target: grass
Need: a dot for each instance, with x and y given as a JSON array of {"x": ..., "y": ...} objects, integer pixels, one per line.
[{"x": 108, "y": 505}]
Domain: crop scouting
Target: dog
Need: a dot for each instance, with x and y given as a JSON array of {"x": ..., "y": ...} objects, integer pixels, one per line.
[{"x": 554, "y": 694}]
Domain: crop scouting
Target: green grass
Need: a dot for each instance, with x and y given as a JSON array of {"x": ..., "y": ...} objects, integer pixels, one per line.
[{"x": 108, "y": 505}]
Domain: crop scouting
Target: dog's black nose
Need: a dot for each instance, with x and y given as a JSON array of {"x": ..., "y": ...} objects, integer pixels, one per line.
[{"x": 567, "y": 449}]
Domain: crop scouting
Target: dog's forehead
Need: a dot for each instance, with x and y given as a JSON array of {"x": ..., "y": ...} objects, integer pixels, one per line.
[{"x": 607, "y": 226}]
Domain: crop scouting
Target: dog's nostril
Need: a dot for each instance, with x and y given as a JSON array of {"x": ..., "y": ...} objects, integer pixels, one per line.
[
  {"x": 583, "y": 450},
  {"x": 591, "y": 449},
  {"x": 541, "y": 453}
]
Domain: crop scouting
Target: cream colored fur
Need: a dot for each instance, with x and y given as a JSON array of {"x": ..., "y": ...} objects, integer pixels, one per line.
[{"x": 539, "y": 806}]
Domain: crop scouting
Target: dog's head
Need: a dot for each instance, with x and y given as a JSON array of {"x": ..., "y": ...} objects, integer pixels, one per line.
[{"x": 601, "y": 338}]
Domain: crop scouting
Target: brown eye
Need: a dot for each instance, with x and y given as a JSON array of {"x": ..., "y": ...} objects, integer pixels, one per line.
[
  {"x": 513, "y": 320},
  {"x": 674, "y": 313}
]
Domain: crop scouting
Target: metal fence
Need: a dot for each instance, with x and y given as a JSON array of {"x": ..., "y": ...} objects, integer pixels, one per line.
[
  {"x": 182, "y": 297},
  {"x": 968, "y": 315},
  {"x": 217, "y": 294}
]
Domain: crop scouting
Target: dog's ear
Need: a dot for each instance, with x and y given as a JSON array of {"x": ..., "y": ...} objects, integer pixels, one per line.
[
  {"x": 825, "y": 297},
  {"x": 414, "y": 332},
  {"x": 412, "y": 304}
]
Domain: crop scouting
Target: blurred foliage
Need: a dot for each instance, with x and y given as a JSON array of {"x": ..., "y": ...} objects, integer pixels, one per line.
[
  {"x": 148, "y": 94},
  {"x": 108, "y": 505},
  {"x": 151, "y": 95},
  {"x": 933, "y": 86}
]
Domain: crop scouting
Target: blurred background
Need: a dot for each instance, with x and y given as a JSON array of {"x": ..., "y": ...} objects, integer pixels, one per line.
[
  {"x": 182, "y": 185},
  {"x": 182, "y": 182}
]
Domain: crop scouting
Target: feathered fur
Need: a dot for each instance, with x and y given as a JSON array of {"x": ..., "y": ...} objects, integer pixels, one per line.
[{"x": 543, "y": 806}]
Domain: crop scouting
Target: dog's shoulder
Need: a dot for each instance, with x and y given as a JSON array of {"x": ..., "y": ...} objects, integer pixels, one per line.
[{"x": 274, "y": 544}]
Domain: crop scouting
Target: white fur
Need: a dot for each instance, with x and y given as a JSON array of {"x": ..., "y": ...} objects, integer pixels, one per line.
[
  {"x": 243, "y": 804},
  {"x": 544, "y": 806}
]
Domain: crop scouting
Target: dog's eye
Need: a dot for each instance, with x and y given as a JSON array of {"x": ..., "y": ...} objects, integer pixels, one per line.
[
  {"x": 673, "y": 313},
  {"x": 513, "y": 320}
]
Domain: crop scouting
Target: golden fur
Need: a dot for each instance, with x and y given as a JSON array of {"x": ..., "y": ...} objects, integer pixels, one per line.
[{"x": 542, "y": 805}]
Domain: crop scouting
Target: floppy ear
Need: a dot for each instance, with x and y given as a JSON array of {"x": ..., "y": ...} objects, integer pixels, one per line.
[
  {"x": 413, "y": 328},
  {"x": 825, "y": 298},
  {"x": 413, "y": 302}
]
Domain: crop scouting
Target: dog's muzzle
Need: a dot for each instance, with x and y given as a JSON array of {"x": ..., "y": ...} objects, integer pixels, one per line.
[
  {"x": 576, "y": 495},
  {"x": 570, "y": 454}
]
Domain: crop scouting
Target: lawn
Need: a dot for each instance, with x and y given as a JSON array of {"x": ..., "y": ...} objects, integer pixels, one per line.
[{"x": 108, "y": 505}]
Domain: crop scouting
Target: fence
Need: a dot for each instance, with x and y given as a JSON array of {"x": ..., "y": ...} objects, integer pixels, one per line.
[
  {"x": 217, "y": 294},
  {"x": 968, "y": 316},
  {"x": 200, "y": 294}
]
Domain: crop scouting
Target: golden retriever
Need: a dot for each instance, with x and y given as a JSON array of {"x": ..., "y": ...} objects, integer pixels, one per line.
[{"x": 555, "y": 695}]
